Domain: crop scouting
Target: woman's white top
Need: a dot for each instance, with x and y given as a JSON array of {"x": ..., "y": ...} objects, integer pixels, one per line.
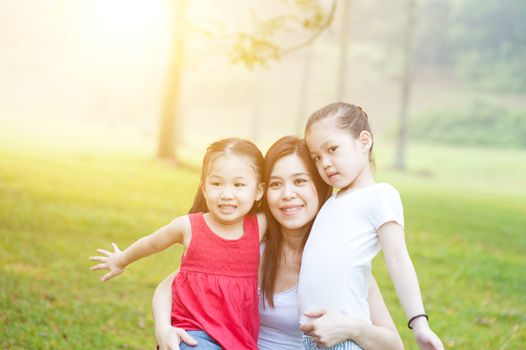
[
  {"x": 279, "y": 327},
  {"x": 336, "y": 262}
]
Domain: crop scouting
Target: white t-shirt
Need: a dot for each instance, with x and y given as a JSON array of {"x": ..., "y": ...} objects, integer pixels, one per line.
[{"x": 336, "y": 262}]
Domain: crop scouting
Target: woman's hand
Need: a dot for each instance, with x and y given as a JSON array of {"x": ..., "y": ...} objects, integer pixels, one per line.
[
  {"x": 329, "y": 328},
  {"x": 169, "y": 338},
  {"x": 110, "y": 261}
]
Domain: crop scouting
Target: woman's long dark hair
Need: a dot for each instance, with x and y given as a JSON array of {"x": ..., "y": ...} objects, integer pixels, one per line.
[
  {"x": 273, "y": 239},
  {"x": 233, "y": 146}
]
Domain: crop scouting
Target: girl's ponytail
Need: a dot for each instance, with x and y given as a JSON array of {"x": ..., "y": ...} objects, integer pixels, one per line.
[{"x": 199, "y": 205}]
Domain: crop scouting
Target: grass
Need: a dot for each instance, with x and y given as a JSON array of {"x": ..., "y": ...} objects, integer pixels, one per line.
[
  {"x": 54, "y": 213},
  {"x": 465, "y": 217}
]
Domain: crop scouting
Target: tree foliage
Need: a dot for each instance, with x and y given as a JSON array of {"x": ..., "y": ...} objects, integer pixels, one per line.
[
  {"x": 263, "y": 42},
  {"x": 484, "y": 40},
  {"x": 250, "y": 48}
]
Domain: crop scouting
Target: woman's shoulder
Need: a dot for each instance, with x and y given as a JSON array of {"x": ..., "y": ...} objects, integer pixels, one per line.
[{"x": 261, "y": 248}]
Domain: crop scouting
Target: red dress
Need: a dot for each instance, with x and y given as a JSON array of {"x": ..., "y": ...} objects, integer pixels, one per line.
[{"x": 216, "y": 289}]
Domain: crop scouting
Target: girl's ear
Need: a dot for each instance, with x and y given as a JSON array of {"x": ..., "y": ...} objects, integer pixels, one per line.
[
  {"x": 260, "y": 191},
  {"x": 366, "y": 139}
]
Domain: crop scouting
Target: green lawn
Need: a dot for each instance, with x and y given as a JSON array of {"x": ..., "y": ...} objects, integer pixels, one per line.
[{"x": 465, "y": 216}]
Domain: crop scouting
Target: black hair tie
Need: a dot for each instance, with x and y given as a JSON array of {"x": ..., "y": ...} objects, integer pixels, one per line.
[{"x": 414, "y": 318}]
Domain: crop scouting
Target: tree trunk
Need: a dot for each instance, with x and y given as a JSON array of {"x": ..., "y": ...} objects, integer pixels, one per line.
[
  {"x": 168, "y": 124},
  {"x": 400, "y": 161},
  {"x": 343, "y": 74},
  {"x": 304, "y": 91}
]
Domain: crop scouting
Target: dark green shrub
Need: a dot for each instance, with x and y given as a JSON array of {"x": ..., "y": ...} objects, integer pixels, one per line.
[{"x": 478, "y": 124}]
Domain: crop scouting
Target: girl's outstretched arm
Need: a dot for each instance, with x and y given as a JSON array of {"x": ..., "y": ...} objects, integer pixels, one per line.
[
  {"x": 332, "y": 327},
  {"x": 168, "y": 337},
  {"x": 403, "y": 275},
  {"x": 177, "y": 231}
]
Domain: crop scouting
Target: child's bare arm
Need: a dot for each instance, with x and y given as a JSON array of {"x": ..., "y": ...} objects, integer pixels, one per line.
[
  {"x": 176, "y": 231},
  {"x": 400, "y": 268},
  {"x": 403, "y": 275}
]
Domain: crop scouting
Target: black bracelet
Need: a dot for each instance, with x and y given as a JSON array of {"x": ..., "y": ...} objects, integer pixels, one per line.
[{"x": 414, "y": 318}]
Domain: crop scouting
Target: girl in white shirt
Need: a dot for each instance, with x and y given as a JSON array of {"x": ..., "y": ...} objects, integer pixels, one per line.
[
  {"x": 352, "y": 226},
  {"x": 294, "y": 194}
]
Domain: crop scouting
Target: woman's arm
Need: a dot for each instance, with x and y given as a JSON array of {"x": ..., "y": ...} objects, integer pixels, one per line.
[
  {"x": 177, "y": 231},
  {"x": 168, "y": 337},
  {"x": 382, "y": 334},
  {"x": 333, "y": 327}
]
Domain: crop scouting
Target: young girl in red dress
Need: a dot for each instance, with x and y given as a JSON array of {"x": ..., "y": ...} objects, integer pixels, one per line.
[{"x": 215, "y": 293}]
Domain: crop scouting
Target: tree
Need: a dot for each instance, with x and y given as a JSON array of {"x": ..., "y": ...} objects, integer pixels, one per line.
[
  {"x": 406, "y": 88},
  {"x": 251, "y": 49},
  {"x": 304, "y": 91},
  {"x": 342, "y": 77},
  {"x": 490, "y": 43},
  {"x": 484, "y": 41},
  {"x": 167, "y": 140}
]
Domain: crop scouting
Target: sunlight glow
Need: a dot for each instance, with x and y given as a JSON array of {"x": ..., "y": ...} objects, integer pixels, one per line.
[{"x": 128, "y": 19}]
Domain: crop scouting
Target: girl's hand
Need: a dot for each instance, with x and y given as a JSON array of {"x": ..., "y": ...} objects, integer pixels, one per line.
[
  {"x": 329, "y": 328},
  {"x": 425, "y": 337},
  {"x": 111, "y": 261},
  {"x": 169, "y": 338}
]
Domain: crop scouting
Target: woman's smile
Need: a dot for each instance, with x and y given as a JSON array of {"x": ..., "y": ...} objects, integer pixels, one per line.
[{"x": 291, "y": 209}]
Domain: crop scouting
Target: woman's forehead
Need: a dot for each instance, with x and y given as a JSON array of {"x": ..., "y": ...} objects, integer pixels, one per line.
[{"x": 289, "y": 165}]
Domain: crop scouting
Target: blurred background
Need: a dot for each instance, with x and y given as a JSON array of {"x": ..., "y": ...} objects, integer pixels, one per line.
[
  {"x": 258, "y": 69},
  {"x": 107, "y": 106}
]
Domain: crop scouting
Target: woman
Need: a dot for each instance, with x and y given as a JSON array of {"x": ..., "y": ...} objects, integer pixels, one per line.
[{"x": 294, "y": 194}]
